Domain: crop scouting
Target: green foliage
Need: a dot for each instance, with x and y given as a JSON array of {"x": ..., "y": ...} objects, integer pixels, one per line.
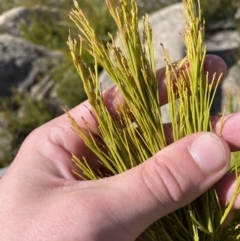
[
  {"x": 69, "y": 88},
  {"x": 47, "y": 29},
  {"x": 135, "y": 132},
  {"x": 21, "y": 114},
  {"x": 6, "y": 5},
  {"x": 217, "y": 10}
]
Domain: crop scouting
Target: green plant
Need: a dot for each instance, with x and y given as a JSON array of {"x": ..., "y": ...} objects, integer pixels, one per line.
[
  {"x": 136, "y": 132},
  {"x": 218, "y": 10},
  {"x": 21, "y": 114}
]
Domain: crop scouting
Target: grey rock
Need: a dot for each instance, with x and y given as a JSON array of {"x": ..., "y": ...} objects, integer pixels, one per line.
[
  {"x": 231, "y": 88},
  {"x": 221, "y": 25},
  {"x": 225, "y": 44},
  {"x": 23, "y": 63},
  {"x": 237, "y": 15},
  {"x": 227, "y": 39},
  {"x": 12, "y": 20}
]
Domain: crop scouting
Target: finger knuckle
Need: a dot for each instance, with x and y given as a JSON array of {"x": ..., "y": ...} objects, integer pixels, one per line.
[{"x": 163, "y": 181}]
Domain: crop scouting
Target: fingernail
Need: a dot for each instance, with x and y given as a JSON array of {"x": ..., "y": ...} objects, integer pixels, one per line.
[{"x": 209, "y": 153}]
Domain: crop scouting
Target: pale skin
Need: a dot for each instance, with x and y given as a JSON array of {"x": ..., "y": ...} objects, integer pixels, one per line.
[{"x": 41, "y": 199}]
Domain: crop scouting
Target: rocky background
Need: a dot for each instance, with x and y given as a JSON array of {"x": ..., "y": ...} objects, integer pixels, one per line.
[{"x": 33, "y": 89}]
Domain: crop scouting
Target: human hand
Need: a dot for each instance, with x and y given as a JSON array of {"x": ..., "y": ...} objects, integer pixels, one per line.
[{"x": 41, "y": 199}]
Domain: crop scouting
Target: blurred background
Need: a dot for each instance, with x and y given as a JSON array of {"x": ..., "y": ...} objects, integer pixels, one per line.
[{"x": 37, "y": 76}]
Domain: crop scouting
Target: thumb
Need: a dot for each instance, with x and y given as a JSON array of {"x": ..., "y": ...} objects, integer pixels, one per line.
[{"x": 170, "y": 179}]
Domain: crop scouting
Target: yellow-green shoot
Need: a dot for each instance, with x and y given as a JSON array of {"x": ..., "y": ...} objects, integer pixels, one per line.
[{"x": 135, "y": 132}]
